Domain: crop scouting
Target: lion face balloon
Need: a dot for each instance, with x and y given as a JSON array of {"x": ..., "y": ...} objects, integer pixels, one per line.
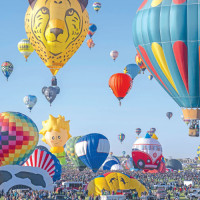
[{"x": 56, "y": 29}]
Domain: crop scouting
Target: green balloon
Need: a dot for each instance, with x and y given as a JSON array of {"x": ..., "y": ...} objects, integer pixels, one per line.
[{"x": 70, "y": 150}]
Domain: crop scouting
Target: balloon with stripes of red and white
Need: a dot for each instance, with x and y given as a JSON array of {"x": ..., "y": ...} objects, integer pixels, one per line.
[{"x": 43, "y": 160}]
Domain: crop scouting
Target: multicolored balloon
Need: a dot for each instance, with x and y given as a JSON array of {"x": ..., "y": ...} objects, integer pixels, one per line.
[
  {"x": 138, "y": 131},
  {"x": 132, "y": 69},
  {"x": 153, "y": 130},
  {"x": 140, "y": 63},
  {"x": 169, "y": 115},
  {"x": 150, "y": 77},
  {"x": 198, "y": 152},
  {"x": 120, "y": 84},
  {"x": 19, "y": 137},
  {"x": 93, "y": 149},
  {"x": 7, "y": 69},
  {"x": 70, "y": 150},
  {"x": 90, "y": 43},
  {"x": 92, "y": 30},
  {"x": 97, "y": 6},
  {"x": 25, "y": 48},
  {"x": 30, "y": 101},
  {"x": 114, "y": 54},
  {"x": 170, "y": 49},
  {"x": 46, "y": 161},
  {"x": 121, "y": 137},
  {"x": 56, "y": 32}
]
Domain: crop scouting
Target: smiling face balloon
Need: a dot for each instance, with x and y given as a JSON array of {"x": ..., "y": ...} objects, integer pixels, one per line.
[
  {"x": 56, "y": 133},
  {"x": 56, "y": 29},
  {"x": 18, "y": 138}
]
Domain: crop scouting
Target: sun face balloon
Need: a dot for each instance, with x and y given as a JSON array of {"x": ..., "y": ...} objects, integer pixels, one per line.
[
  {"x": 56, "y": 133},
  {"x": 18, "y": 138},
  {"x": 56, "y": 29}
]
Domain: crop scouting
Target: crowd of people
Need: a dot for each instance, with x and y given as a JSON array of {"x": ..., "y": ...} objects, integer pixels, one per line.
[{"x": 175, "y": 181}]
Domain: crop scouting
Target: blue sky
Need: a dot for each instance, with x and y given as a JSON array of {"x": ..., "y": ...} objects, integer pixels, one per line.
[{"x": 85, "y": 97}]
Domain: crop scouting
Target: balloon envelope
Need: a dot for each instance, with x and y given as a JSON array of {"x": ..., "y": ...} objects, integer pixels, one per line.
[
  {"x": 132, "y": 70},
  {"x": 97, "y": 6},
  {"x": 93, "y": 150},
  {"x": 30, "y": 101},
  {"x": 25, "y": 48},
  {"x": 121, "y": 137},
  {"x": 7, "y": 69}
]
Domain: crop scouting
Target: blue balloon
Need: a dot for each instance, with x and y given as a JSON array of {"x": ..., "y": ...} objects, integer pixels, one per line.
[
  {"x": 110, "y": 161},
  {"x": 132, "y": 69},
  {"x": 93, "y": 149}
]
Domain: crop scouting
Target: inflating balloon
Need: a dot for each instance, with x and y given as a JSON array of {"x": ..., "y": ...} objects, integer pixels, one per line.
[
  {"x": 43, "y": 148},
  {"x": 140, "y": 63},
  {"x": 19, "y": 137},
  {"x": 169, "y": 115},
  {"x": 46, "y": 161},
  {"x": 114, "y": 54},
  {"x": 132, "y": 69},
  {"x": 93, "y": 150},
  {"x": 120, "y": 84},
  {"x": 30, "y": 101},
  {"x": 56, "y": 133},
  {"x": 25, "y": 48},
  {"x": 121, "y": 137},
  {"x": 97, "y": 6},
  {"x": 114, "y": 181},
  {"x": 56, "y": 29},
  {"x": 109, "y": 162},
  {"x": 90, "y": 43},
  {"x": 170, "y": 49},
  {"x": 92, "y": 30},
  {"x": 70, "y": 150},
  {"x": 50, "y": 93},
  {"x": 7, "y": 69}
]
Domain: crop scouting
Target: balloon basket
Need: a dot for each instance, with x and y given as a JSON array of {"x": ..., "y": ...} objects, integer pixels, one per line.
[
  {"x": 192, "y": 114},
  {"x": 193, "y": 132}
]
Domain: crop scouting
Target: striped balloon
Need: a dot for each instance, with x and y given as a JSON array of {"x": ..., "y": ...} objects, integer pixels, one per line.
[
  {"x": 166, "y": 35},
  {"x": 198, "y": 152},
  {"x": 97, "y": 6},
  {"x": 121, "y": 137},
  {"x": 138, "y": 131}
]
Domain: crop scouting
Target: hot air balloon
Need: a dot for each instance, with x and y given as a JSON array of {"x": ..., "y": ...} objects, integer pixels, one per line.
[
  {"x": 147, "y": 153},
  {"x": 19, "y": 137},
  {"x": 25, "y": 48},
  {"x": 7, "y": 69},
  {"x": 92, "y": 150},
  {"x": 92, "y": 30},
  {"x": 138, "y": 131},
  {"x": 43, "y": 148},
  {"x": 109, "y": 162},
  {"x": 56, "y": 30},
  {"x": 123, "y": 153},
  {"x": 30, "y": 101},
  {"x": 70, "y": 150},
  {"x": 120, "y": 84},
  {"x": 140, "y": 63},
  {"x": 46, "y": 161},
  {"x": 187, "y": 121},
  {"x": 132, "y": 69},
  {"x": 121, "y": 137},
  {"x": 198, "y": 152},
  {"x": 50, "y": 93},
  {"x": 90, "y": 43},
  {"x": 169, "y": 115},
  {"x": 97, "y": 6},
  {"x": 150, "y": 77},
  {"x": 114, "y": 181},
  {"x": 114, "y": 54},
  {"x": 168, "y": 42},
  {"x": 153, "y": 130}
]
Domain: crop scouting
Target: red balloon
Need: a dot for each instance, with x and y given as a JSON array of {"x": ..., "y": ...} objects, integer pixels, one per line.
[{"x": 120, "y": 84}]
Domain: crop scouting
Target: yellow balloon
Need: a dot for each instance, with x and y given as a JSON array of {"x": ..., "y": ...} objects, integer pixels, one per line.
[
  {"x": 25, "y": 48},
  {"x": 114, "y": 181},
  {"x": 56, "y": 29}
]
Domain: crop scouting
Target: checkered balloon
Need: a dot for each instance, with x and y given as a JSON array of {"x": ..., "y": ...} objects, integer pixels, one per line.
[{"x": 18, "y": 138}]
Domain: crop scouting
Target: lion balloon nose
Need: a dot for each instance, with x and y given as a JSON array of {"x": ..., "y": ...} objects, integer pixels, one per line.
[{"x": 56, "y": 31}]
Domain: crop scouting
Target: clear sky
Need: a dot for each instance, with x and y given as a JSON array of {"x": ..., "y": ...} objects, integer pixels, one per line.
[{"x": 85, "y": 97}]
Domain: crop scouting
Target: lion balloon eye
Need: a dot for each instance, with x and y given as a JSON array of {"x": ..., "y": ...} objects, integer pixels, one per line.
[
  {"x": 70, "y": 12},
  {"x": 45, "y": 11}
]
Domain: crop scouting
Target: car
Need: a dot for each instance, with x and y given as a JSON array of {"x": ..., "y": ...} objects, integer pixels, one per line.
[{"x": 194, "y": 195}]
